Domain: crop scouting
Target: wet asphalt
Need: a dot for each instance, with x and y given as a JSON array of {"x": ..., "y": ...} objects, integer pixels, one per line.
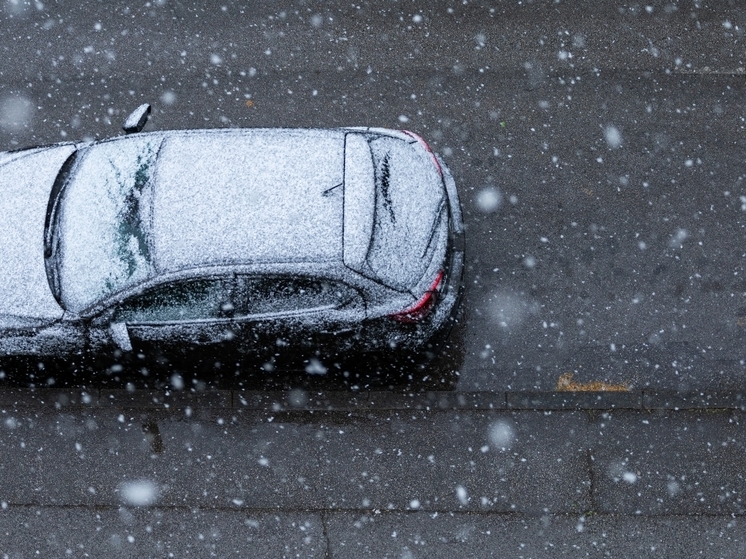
[{"x": 597, "y": 411}]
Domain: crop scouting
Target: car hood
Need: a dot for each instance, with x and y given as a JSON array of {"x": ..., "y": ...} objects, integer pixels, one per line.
[{"x": 26, "y": 180}]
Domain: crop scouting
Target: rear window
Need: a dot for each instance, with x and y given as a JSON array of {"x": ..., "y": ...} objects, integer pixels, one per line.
[{"x": 409, "y": 198}]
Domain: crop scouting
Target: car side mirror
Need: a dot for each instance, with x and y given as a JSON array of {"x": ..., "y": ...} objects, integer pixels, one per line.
[
  {"x": 137, "y": 119},
  {"x": 121, "y": 336}
]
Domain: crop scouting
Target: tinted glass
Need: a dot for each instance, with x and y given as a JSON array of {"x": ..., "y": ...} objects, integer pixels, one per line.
[
  {"x": 181, "y": 301},
  {"x": 260, "y": 295}
]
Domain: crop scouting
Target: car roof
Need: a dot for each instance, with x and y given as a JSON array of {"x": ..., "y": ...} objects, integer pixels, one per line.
[{"x": 247, "y": 196}]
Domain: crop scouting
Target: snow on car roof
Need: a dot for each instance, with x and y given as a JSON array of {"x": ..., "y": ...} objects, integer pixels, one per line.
[
  {"x": 162, "y": 202},
  {"x": 251, "y": 195}
]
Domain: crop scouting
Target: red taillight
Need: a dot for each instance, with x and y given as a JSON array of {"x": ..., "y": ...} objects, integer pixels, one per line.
[
  {"x": 423, "y": 143},
  {"x": 423, "y": 306}
]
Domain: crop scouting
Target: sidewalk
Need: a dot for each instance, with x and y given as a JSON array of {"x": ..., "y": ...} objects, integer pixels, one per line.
[{"x": 371, "y": 475}]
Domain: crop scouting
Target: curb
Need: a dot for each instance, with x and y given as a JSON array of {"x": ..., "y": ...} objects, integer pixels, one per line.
[{"x": 300, "y": 400}]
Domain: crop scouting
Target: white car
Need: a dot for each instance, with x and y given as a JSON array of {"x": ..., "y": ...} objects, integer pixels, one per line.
[{"x": 261, "y": 241}]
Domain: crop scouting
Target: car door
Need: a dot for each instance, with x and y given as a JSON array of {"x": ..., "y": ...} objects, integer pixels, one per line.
[
  {"x": 38, "y": 338},
  {"x": 181, "y": 318},
  {"x": 292, "y": 316}
]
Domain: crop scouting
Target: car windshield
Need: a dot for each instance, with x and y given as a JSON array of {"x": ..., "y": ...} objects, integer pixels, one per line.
[{"x": 101, "y": 233}]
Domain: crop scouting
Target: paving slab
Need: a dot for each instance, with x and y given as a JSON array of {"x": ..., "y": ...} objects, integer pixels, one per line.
[
  {"x": 457, "y": 461},
  {"x": 140, "y": 532},
  {"x": 669, "y": 463},
  {"x": 401, "y": 460},
  {"x": 431, "y": 536}
]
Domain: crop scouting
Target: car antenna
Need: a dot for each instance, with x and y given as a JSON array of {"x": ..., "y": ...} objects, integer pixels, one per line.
[{"x": 137, "y": 119}]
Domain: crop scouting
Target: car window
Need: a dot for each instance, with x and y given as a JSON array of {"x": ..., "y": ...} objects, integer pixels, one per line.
[
  {"x": 409, "y": 199},
  {"x": 101, "y": 225},
  {"x": 179, "y": 301},
  {"x": 261, "y": 295}
]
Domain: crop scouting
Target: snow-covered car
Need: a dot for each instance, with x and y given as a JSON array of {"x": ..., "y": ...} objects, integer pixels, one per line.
[{"x": 318, "y": 241}]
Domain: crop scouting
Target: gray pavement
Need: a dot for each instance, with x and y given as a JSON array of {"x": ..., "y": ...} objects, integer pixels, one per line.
[
  {"x": 330, "y": 475},
  {"x": 154, "y": 533},
  {"x": 612, "y": 135}
]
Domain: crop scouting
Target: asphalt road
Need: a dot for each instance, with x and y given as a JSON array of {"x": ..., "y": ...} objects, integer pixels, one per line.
[
  {"x": 605, "y": 142},
  {"x": 599, "y": 152}
]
